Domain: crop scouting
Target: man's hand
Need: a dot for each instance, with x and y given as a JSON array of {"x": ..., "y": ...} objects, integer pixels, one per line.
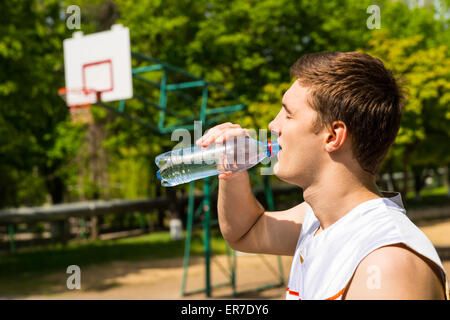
[
  {"x": 244, "y": 223},
  {"x": 219, "y": 134}
]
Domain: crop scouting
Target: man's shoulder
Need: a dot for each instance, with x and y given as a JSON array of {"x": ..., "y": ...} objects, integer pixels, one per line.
[
  {"x": 395, "y": 272},
  {"x": 383, "y": 218}
]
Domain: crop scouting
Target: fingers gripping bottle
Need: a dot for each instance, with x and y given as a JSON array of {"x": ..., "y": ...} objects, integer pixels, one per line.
[{"x": 238, "y": 154}]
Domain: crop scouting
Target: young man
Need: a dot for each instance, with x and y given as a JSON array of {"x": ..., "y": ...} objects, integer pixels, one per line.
[{"x": 348, "y": 239}]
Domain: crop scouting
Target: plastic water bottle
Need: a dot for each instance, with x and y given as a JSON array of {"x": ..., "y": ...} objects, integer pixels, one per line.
[{"x": 238, "y": 154}]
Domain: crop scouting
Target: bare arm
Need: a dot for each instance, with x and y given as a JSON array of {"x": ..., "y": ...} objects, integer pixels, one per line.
[
  {"x": 248, "y": 228},
  {"x": 395, "y": 272},
  {"x": 244, "y": 223},
  {"x": 237, "y": 207}
]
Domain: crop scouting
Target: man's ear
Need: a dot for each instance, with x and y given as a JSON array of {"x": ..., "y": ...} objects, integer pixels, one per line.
[{"x": 335, "y": 136}]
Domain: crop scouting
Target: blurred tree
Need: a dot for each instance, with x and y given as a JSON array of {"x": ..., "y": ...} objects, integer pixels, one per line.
[
  {"x": 31, "y": 36},
  {"x": 246, "y": 46},
  {"x": 424, "y": 133}
]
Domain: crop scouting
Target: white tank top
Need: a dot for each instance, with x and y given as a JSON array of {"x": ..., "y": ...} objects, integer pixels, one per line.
[{"x": 324, "y": 264}]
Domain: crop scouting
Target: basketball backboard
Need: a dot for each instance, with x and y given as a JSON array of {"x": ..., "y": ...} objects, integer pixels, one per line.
[{"x": 98, "y": 63}]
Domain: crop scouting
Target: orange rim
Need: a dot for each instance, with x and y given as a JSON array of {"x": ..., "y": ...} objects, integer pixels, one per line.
[{"x": 63, "y": 92}]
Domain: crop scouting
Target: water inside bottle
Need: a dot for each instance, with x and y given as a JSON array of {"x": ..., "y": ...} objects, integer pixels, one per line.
[{"x": 175, "y": 174}]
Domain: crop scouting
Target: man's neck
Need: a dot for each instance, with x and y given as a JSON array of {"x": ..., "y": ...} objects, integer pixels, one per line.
[{"x": 336, "y": 194}]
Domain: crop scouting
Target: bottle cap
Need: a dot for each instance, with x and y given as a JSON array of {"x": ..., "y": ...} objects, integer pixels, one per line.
[{"x": 272, "y": 148}]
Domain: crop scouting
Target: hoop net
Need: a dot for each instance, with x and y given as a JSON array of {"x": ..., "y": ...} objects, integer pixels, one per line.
[{"x": 80, "y": 113}]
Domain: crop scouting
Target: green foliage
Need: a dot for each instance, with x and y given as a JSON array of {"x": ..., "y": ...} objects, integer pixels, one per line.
[
  {"x": 425, "y": 73},
  {"x": 31, "y": 34},
  {"x": 245, "y": 46}
]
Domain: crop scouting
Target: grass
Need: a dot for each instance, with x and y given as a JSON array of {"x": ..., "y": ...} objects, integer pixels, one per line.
[{"x": 28, "y": 265}]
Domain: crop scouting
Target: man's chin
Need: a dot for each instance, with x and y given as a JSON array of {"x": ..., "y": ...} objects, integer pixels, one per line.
[
  {"x": 279, "y": 173},
  {"x": 276, "y": 169},
  {"x": 282, "y": 175}
]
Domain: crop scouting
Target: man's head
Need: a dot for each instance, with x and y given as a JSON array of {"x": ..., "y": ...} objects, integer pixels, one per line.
[{"x": 343, "y": 105}]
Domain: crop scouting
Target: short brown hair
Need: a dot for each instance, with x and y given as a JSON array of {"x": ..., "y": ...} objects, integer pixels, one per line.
[{"x": 357, "y": 89}]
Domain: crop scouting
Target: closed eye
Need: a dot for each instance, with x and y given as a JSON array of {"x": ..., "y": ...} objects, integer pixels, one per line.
[{"x": 287, "y": 111}]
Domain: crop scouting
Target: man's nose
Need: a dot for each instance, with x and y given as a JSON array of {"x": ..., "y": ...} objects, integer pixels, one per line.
[{"x": 273, "y": 126}]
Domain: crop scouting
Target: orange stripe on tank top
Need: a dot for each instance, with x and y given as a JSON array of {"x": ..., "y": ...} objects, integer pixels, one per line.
[
  {"x": 337, "y": 295},
  {"x": 292, "y": 292}
]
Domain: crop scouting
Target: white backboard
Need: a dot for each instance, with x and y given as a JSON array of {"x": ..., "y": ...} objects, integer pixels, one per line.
[{"x": 101, "y": 62}]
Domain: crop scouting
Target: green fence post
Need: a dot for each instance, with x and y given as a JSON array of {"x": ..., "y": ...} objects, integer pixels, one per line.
[
  {"x": 187, "y": 244},
  {"x": 206, "y": 235},
  {"x": 271, "y": 206},
  {"x": 162, "y": 100},
  {"x": 142, "y": 221},
  {"x": 12, "y": 244},
  {"x": 231, "y": 256},
  {"x": 83, "y": 228}
]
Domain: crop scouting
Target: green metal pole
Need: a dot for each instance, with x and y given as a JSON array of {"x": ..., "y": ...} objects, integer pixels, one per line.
[
  {"x": 142, "y": 221},
  {"x": 12, "y": 244},
  {"x": 206, "y": 235},
  {"x": 122, "y": 106},
  {"x": 187, "y": 245},
  {"x": 206, "y": 206},
  {"x": 271, "y": 206},
  {"x": 204, "y": 105},
  {"x": 268, "y": 192},
  {"x": 280, "y": 268},
  {"x": 83, "y": 228},
  {"x": 162, "y": 100},
  {"x": 232, "y": 266}
]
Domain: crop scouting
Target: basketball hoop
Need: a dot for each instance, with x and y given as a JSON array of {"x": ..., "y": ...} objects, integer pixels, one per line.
[
  {"x": 79, "y": 102},
  {"x": 97, "y": 68}
]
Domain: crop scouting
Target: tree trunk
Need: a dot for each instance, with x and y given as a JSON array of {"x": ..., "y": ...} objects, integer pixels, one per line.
[
  {"x": 171, "y": 194},
  {"x": 160, "y": 211},
  {"x": 59, "y": 229},
  {"x": 94, "y": 228},
  {"x": 405, "y": 190},
  {"x": 448, "y": 180},
  {"x": 419, "y": 181},
  {"x": 406, "y": 159}
]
